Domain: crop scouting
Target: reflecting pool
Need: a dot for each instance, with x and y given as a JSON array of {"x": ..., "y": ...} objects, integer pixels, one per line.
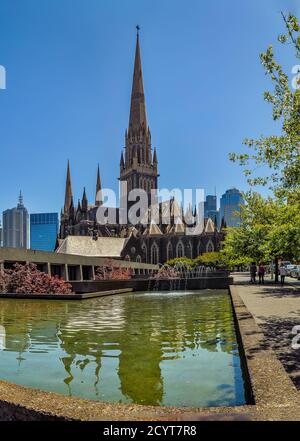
[{"x": 170, "y": 348}]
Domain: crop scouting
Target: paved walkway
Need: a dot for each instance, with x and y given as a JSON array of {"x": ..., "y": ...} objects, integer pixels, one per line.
[{"x": 276, "y": 310}]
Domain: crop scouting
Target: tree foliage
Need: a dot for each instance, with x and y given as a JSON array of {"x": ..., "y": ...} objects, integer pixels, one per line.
[
  {"x": 27, "y": 279},
  {"x": 109, "y": 272},
  {"x": 281, "y": 154},
  {"x": 270, "y": 229},
  {"x": 214, "y": 259}
]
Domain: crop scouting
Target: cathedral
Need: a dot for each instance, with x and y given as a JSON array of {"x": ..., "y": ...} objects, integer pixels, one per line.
[{"x": 150, "y": 242}]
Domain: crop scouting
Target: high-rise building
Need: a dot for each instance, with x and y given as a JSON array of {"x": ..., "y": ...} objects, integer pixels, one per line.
[
  {"x": 210, "y": 209},
  {"x": 230, "y": 207},
  {"x": 43, "y": 231},
  {"x": 16, "y": 226},
  {"x": 210, "y": 204}
]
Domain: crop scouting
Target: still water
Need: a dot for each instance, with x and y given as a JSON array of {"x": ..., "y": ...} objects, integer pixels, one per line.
[{"x": 170, "y": 348}]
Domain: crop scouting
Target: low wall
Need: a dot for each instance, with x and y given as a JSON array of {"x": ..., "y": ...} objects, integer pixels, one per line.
[
  {"x": 81, "y": 296},
  {"x": 146, "y": 284}
]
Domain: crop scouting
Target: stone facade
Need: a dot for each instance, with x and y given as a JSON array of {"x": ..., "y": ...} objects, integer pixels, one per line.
[{"x": 149, "y": 242}]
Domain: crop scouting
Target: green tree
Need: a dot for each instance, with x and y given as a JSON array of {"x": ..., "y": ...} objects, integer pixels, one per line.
[
  {"x": 281, "y": 154},
  {"x": 269, "y": 230},
  {"x": 210, "y": 259}
]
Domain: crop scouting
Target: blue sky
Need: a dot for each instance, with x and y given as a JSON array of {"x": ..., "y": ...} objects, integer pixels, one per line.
[{"x": 69, "y": 69}]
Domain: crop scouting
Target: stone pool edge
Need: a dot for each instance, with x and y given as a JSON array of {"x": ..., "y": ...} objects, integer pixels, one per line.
[
  {"x": 73, "y": 296},
  {"x": 274, "y": 394}
]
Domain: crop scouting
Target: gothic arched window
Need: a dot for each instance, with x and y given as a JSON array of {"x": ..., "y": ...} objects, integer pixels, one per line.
[
  {"x": 144, "y": 249},
  {"x": 154, "y": 254},
  {"x": 169, "y": 251},
  {"x": 189, "y": 252},
  {"x": 138, "y": 258},
  {"x": 180, "y": 249},
  {"x": 210, "y": 247},
  {"x": 199, "y": 248}
]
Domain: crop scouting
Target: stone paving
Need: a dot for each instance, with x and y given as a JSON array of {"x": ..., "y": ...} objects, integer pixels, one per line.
[{"x": 276, "y": 310}]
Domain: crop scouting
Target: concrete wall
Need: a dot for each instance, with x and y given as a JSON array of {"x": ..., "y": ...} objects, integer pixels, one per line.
[
  {"x": 146, "y": 284},
  {"x": 68, "y": 266}
]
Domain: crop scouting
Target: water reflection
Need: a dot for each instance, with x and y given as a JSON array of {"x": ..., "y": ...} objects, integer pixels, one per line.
[{"x": 170, "y": 348}]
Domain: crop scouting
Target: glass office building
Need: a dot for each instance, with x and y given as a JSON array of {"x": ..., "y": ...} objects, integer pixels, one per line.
[
  {"x": 43, "y": 231},
  {"x": 210, "y": 209},
  {"x": 210, "y": 205},
  {"x": 230, "y": 207}
]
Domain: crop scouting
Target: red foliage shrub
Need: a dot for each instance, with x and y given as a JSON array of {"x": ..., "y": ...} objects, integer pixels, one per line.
[
  {"x": 109, "y": 272},
  {"x": 166, "y": 273},
  {"x": 27, "y": 279}
]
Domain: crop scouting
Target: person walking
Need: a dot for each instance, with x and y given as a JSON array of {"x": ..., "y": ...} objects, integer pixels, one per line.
[
  {"x": 261, "y": 274},
  {"x": 282, "y": 272},
  {"x": 253, "y": 270}
]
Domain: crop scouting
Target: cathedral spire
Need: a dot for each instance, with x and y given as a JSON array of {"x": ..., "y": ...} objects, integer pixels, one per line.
[
  {"x": 122, "y": 163},
  {"x": 138, "y": 117},
  {"x": 68, "y": 192},
  {"x": 84, "y": 202},
  {"x": 155, "y": 156},
  {"x": 98, "y": 198}
]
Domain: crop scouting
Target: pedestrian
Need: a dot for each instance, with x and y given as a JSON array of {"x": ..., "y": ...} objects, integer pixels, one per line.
[
  {"x": 282, "y": 272},
  {"x": 261, "y": 274},
  {"x": 253, "y": 270}
]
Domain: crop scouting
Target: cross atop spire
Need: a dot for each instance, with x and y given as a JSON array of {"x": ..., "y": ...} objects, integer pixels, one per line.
[
  {"x": 138, "y": 117},
  {"x": 137, "y": 30}
]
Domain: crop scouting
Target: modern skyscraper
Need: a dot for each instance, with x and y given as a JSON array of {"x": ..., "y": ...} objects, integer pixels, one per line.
[
  {"x": 43, "y": 231},
  {"x": 16, "y": 226},
  {"x": 210, "y": 204},
  {"x": 230, "y": 207},
  {"x": 210, "y": 209}
]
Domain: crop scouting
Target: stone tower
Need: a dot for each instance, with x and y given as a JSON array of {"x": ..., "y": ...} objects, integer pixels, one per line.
[{"x": 138, "y": 167}]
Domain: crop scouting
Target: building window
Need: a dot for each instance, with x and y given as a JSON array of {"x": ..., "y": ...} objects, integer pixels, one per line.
[
  {"x": 199, "y": 248},
  {"x": 127, "y": 257},
  {"x": 190, "y": 250},
  {"x": 169, "y": 251},
  {"x": 210, "y": 247},
  {"x": 138, "y": 258},
  {"x": 180, "y": 249},
  {"x": 144, "y": 249},
  {"x": 154, "y": 254}
]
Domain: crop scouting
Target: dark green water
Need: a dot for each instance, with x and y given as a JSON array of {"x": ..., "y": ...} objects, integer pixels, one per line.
[{"x": 156, "y": 348}]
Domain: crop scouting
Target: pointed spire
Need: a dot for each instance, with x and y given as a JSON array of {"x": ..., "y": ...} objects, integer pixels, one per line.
[
  {"x": 122, "y": 164},
  {"x": 84, "y": 201},
  {"x": 155, "y": 156},
  {"x": 216, "y": 222},
  {"x": 79, "y": 205},
  {"x": 223, "y": 224},
  {"x": 68, "y": 192},
  {"x": 71, "y": 208},
  {"x": 98, "y": 198},
  {"x": 138, "y": 117}
]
